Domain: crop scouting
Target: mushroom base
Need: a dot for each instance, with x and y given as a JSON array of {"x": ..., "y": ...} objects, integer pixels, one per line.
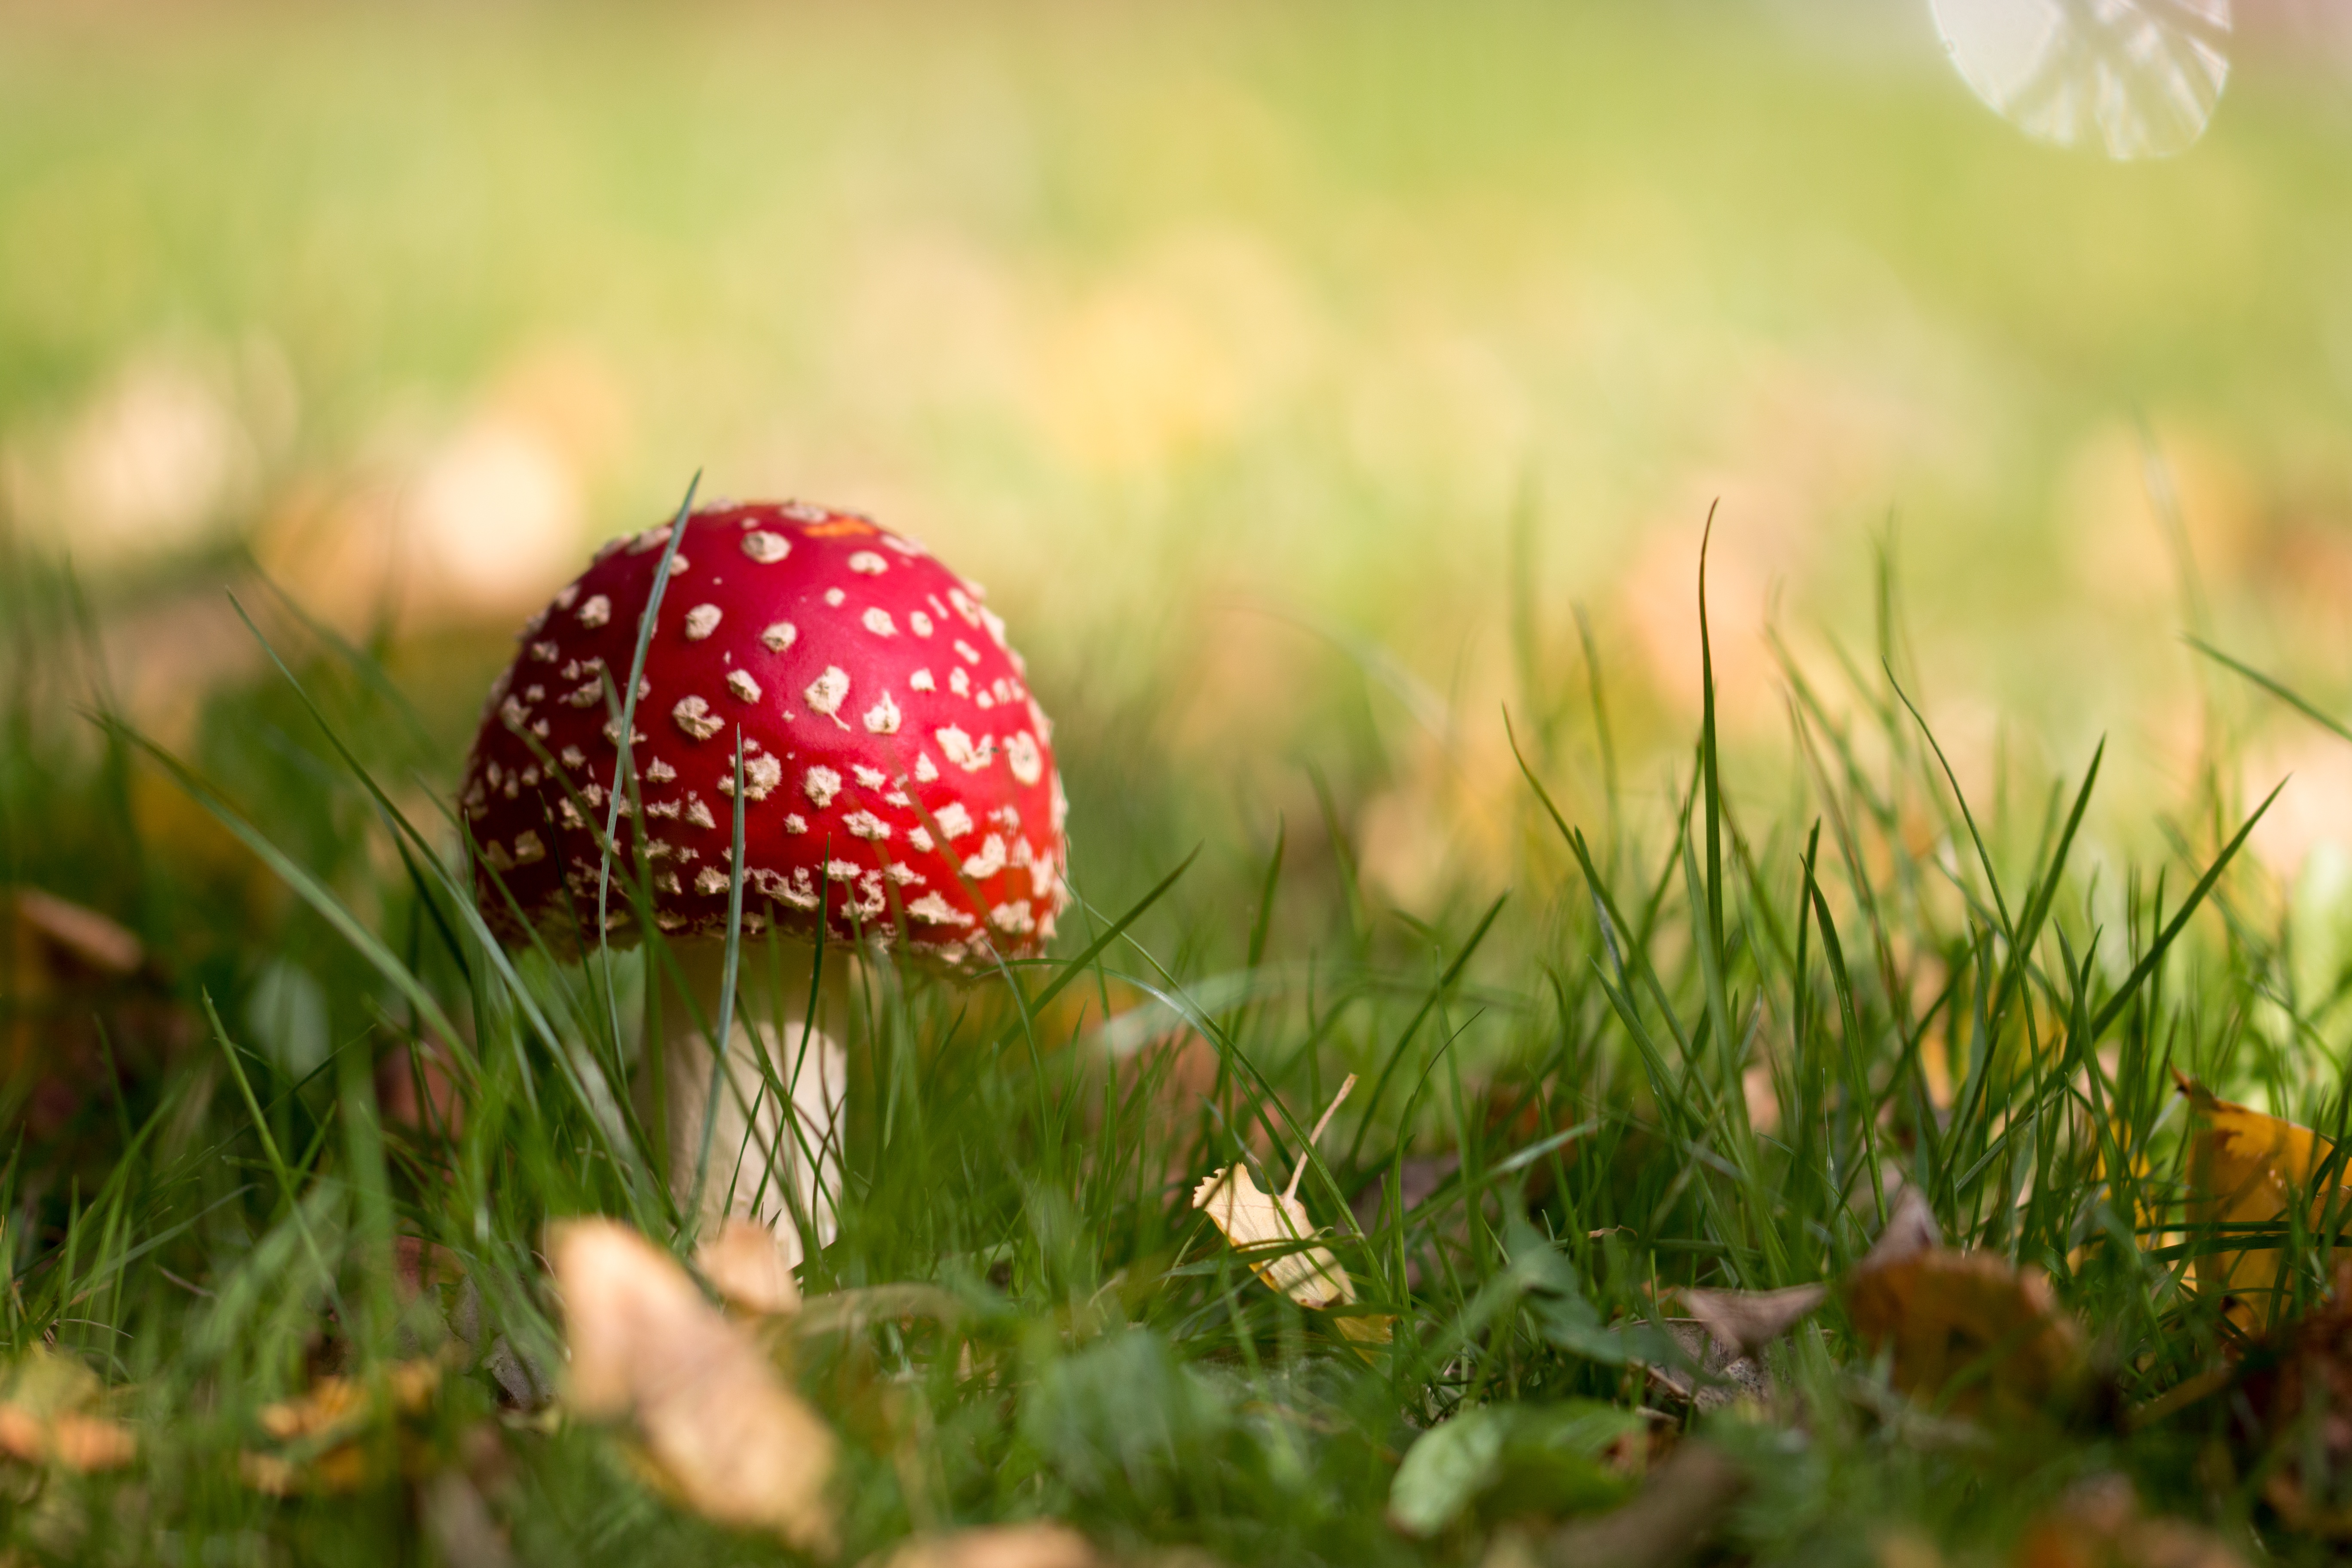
[{"x": 726, "y": 1132}]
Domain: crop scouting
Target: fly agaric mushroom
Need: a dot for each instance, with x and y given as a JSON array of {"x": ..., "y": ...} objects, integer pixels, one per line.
[{"x": 898, "y": 784}]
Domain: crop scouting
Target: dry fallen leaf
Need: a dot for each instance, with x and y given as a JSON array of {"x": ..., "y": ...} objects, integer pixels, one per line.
[
  {"x": 2299, "y": 1366},
  {"x": 718, "y": 1424},
  {"x": 747, "y": 1266},
  {"x": 1745, "y": 1321},
  {"x": 2098, "y": 1524},
  {"x": 1253, "y": 1220},
  {"x": 1951, "y": 1315},
  {"x": 1039, "y": 1544},
  {"x": 1262, "y": 1222},
  {"x": 2245, "y": 1168},
  {"x": 327, "y": 1419},
  {"x": 46, "y": 1417}
]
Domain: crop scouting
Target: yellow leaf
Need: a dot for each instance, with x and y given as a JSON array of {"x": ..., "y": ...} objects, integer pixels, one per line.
[
  {"x": 1256, "y": 1221},
  {"x": 1261, "y": 1222},
  {"x": 2244, "y": 1168},
  {"x": 738, "y": 1445}
]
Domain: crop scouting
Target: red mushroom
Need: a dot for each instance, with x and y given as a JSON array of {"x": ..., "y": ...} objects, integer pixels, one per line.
[{"x": 898, "y": 776}]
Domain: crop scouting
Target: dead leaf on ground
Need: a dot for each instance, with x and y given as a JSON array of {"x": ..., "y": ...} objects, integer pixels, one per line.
[
  {"x": 719, "y": 1426},
  {"x": 747, "y": 1266},
  {"x": 2293, "y": 1409},
  {"x": 324, "y": 1424},
  {"x": 1040, "y": 1544},
  {"x": 1275, "y": 1225},
  {"x": 50, "y": 1417},
  {"x": 1745, "y": 1321},
  {"x": 1687, "y": 1496},
  {"x": 2098, "y": 1524},
  {"x": 1968, "y": 1326},
  {"x": 2246, "y": 1168}
]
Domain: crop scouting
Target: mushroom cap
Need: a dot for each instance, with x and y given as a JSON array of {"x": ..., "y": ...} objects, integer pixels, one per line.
[{"x": 898, "y": 776}]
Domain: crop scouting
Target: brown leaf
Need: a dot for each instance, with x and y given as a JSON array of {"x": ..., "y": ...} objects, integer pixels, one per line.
[
  {"x": 747, "y": 1266},
  {"x": 1039, "y": 1544},
  {"x": 1745, "y": 1321},
  {"x": 738, "y": 1445},
  {"x": 2097, "y": 1525},
  {"x": 2246, "y": 1168},
  {"x": 2297, "y": 1367},
  {"x": 76, "y": 935},
  {"x": 1686, "y": 1498},
  {"x": 1947, "y": 1313}
]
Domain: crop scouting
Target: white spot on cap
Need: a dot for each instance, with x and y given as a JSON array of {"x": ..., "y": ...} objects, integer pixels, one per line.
[
  {"x": 766, "y": 548},
  {"x": 882, "y": 719},
  {"x": 921, "y": 681},
  {"x": 959, "y": 682},
  {"x": 566, "y": 595},
  {"x": 965, "y": 606},
  {"x": 825, "y": 692},
  {"x": 1013, "y": 917},
  {"x": 779, "y": 636},
  {"x": 921, "y": 838},
  {"x": 586, "y": 696},
  {"x": 835, "y": 597},
  {"x": 694, "y": 716},
  {"x": 985, "y": 701},
  {"x": 709, "y": 880},
  {"x": 701, "y": 621},
  {"x": 958, "y": 748},
  {"x": 527, "y": 848},
  {"x": 795, "y": 823},
  {"x": 496, "y": 854},
  {"x": 995, "y": 624},
  {"x": 741, "y": 683},
  {"x": 534, "y": 693},
  {"x": 699, "y": 815},
  {"x": 822, "y": 784},
  {"x": 920, "y": 622},
  {"x": 903, "y": 546},
  {"x": 596, "y": 610},
  {"x": 872, "y": 778},
  {"x": 933, "y": 909},
  {"x": 660, "y": 772},
  {"x": 988, "y": 861},
  {"x": 573, "y": 757},
  {"x": 1061, "y": 805},
  {"x": 804, "y": 511},
  {"x": 1020, "y": 750},
  {"x": 842, "y": 870},
  {"x": 926, "y": 770},
  {"x": 513, "y": 711},
  {"x": 877, "y": 621},
  {"x": 953, "y": 819},
  {"x": 545, "y": 652},
  {"x": 903, "y": 875},
  {"x": 969, "y": 654},
  {"x": 761, "y": 774},
  {"x": 651, "y": 538},
  {"x": 865, "y": 825},
  {"x": 868, "y": 563}
]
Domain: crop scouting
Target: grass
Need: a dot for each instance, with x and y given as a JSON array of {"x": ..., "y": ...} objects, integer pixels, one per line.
[{"x": 1694, "y": 1055}]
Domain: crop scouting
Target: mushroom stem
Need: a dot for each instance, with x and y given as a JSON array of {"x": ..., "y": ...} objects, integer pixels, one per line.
[{"x": 783, "y": 1173}]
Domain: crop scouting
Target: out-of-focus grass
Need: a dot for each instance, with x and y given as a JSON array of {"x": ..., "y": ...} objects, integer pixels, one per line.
[{"x": 1147, "y": 318}]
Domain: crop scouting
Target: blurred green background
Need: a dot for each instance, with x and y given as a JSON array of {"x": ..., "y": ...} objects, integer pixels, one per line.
[{"x": 1271, "y": 364}]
